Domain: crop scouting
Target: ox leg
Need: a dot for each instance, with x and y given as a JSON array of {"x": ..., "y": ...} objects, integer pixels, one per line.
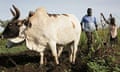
[
  {"x": 71, "y": 54},
  {"x": 52, "y": 45},
  {"x": 42, "y": 57},
  {"x": 60, "y": 49},
  {"x": 74, "y": 52}
]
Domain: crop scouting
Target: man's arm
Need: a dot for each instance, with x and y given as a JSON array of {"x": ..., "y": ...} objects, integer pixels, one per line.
[
  {"x": 96, "y": 27},
  {"x": 104, "y": 18},
  {"x": 95, "y": 23},
  {"x": 81, "y": 25},
  {"x": 82, "y": 21}
]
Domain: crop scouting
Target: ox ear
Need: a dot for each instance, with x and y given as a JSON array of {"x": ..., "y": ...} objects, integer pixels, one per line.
[
  {"x": 31, "y": 13},
  {"x": 27, "y": 23}
]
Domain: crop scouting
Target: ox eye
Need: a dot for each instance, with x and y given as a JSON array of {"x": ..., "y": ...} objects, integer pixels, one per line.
[
  {"x": 18, "y": 24},
  {"x": 10, "y": 24}
]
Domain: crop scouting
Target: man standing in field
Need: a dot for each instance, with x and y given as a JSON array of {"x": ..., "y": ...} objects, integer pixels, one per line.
[
  {"x": 112, "y": 28},
  {"x": 89, "y": 25}
]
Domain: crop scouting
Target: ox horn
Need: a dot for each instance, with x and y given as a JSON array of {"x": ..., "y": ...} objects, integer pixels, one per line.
[
  {"x": 12, "y": 12},
  {"x": 16, "y": 14}
]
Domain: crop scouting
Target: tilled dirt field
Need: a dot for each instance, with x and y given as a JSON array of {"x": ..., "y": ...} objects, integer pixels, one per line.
[{"x": 29, "y": 62}]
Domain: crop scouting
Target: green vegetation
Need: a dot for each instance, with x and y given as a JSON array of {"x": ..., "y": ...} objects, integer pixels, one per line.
[{"x": 102, "y": 57}]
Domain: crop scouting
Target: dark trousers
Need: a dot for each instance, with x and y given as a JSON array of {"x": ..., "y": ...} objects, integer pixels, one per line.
[
  {"x": 89, "y": 36},
  {"x": 113, "y": 40}
]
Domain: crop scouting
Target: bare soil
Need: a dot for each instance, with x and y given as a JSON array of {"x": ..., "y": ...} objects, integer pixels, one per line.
[{"x": 28, "y": 61}]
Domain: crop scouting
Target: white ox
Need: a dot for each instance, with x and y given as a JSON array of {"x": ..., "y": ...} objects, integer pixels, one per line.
[{"x": 50, "y": 29}]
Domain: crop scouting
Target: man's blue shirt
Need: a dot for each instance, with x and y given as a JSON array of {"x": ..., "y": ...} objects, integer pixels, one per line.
[{"x": 89, "y": 23}]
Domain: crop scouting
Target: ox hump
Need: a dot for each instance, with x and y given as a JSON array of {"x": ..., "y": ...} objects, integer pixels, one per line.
[{"x": 41, "y": 10}]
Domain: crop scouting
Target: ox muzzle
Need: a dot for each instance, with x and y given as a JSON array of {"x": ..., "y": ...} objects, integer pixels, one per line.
[{"x": 11, "y": 44}]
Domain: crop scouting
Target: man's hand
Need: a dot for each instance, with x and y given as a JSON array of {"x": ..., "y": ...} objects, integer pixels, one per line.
[
  {"x": 101, "y": 14},
  {"x": 96, "y": 28},
  {"x": 82, "y": 29}
]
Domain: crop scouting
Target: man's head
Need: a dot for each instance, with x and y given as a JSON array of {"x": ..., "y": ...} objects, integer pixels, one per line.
[
  {"x": 89, "y": 11},
  {"x": 112, "y": 21}
]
